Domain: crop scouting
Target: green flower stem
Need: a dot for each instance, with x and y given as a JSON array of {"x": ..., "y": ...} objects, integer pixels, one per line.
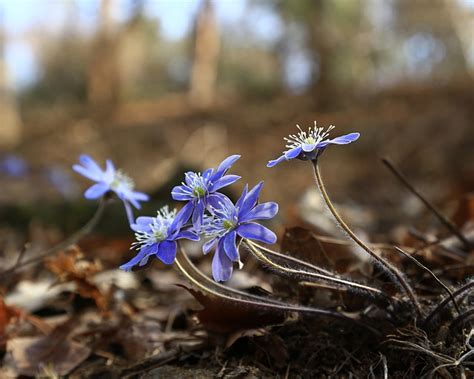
[{"x": 389, "y": 268}]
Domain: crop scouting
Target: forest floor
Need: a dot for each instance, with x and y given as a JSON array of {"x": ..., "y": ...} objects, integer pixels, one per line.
[{"x": 71, "y": 312}]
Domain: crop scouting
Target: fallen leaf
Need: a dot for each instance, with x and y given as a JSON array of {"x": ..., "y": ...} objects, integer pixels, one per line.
[
  {"x": 69, "y": 267},
  {"x": 228, "y": 316},
  {"x": 30, "y": 355}
]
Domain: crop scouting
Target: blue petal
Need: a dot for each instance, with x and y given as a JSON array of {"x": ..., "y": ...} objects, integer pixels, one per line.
[
  {"x": 207, "y": 174},
  {"x": 109, "y": 170},
  {"x": 181, "y": 193},
  {"x": 221, "y": 265},
  {"x": 88, "y": 173},
  {"x": 293, "y": 153},
  {"x": 167, "y": 252},
  {"x": 181, "y": 217},
  {"x": 218, "y": 200},
  {"x": 187, "y": 234},
  {"x": 198, "y": 214},
  {"x": 251, "y": 199},
  {"x": 96, "y": 191},
  {"x": 223, "y": 182},
  {"x": 257, "y": 232},
  {"x": 341, "y": 140},
  {"x": 274, "y": 162},
  {"x": 209, "y": 245},
  {"x": 141, "y": 257},
  {"x": 239, "y": 202},
  {"x": 140, "y": 196},
  {"x": 262, "y": 211},
  {"x": 90, "y": 164},
  {"x": 142, "y": 224},
  {"x": 229, "y": 246},
  {"x": 224, "y": 166}
]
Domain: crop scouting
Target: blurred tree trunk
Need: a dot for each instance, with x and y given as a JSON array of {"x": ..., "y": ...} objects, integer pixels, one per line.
[
  {"x": 10, "y": 122},
  {"x": 205, "y": 59},
  {"x": 103, "y": 77},
  {"x": 322, "y": 49}
]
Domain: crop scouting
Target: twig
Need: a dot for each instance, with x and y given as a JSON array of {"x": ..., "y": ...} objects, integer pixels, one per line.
[
  {"x": 442, "y": 218},
  {"x": 389, "y": 268},
  {"x": 64, "y": 244},
  {"x": 419, "y": 264}
]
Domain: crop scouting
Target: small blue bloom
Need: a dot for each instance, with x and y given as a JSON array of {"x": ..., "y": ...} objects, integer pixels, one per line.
[
  {"x": 200, "y": 190},
  {"x": 109, "y": 180},
  {"x": 308, "y": 145},
  {"x": 229, "y": 221},
  {"x": 157, "y": 236}
]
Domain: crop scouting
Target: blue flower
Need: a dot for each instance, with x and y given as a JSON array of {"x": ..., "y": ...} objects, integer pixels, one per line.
[
  {"x": 200, "y": 190},
  {"x": 308, "y": 145},
  {"x": 108, "y": 180},
  {"x": 229, "y": 221},
  {"x": 157, "y": 236}
]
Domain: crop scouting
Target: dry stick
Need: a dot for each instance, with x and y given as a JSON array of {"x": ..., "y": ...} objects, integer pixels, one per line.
[
  {"x": 64, "y": 244},
  {"x": 262, "y": 302},
  {"x": 421, "y": 265},
  {"x": 442, "y": 218},
  {"x": 260, "y": 256},
  {"x": 391, "y": 269},
  {"x": 460, "y": 291}
]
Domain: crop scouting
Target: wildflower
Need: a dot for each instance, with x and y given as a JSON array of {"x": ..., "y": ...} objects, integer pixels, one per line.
[
  {"x": 229, "y": 222},
  {"x": 200, "y": 190},
  {"x": 109, "y": 180},
  {"x": 157, "y": 236},
  {"x": 308, "y": 145}
]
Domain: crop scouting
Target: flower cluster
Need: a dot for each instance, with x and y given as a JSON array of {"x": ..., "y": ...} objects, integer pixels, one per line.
[{"x": 207, "y": 212}]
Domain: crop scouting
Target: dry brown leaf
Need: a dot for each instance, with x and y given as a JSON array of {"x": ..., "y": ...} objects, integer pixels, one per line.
[
  {"x": 31, "y": 354},
  {"x": 226, "y": 316},
  {"x": 7, "y": 314},
  {"x": 69, "y": 267}
]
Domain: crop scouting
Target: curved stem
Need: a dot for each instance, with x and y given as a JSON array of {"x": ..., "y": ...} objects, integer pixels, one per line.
[
  {"x": 189, "y": 266},
  {"x": 263, "y": 303},
  {"x": 86, "y": 229},
  {"x": 384, "y": 264},
  {"x": 292, "y": 259},
  {"x": 260, "y": 256}
]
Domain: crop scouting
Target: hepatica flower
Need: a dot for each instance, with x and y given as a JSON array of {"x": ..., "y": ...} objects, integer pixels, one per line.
[
  {"x": 230, "y": 222},
  {"x": 157, "y": 236},
  {"x": 108, "y": 180},
  {"x": 200, "y": 190},
  {"x": 308, "y": 145}
]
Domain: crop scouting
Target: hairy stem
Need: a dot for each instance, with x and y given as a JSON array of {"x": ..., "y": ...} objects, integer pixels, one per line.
[
  {"x": 74, "y": 238},
  {"x": 292, "y": 259},
  {"x": 390, "y": 269},
  {"x": 346, "y": 283}
]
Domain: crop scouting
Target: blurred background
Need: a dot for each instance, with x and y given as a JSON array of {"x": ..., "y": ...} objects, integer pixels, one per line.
[{"x": 162, "y": 86}]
